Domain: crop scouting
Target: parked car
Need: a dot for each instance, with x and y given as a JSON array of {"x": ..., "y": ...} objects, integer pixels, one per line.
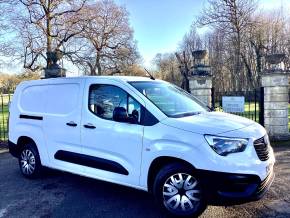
[{"x": 143, "y": 133}]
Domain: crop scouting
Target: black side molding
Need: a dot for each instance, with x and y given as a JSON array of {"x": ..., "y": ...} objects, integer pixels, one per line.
[
  {"x": 30, "y": 117},
  {"x": 90, "y": 161}
]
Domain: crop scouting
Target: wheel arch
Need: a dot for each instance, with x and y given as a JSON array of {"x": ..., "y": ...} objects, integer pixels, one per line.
[
  {"x": 159, "y": 163},
  {"x": 30, "y": 133},
  {"x": 23, "y": 140}
]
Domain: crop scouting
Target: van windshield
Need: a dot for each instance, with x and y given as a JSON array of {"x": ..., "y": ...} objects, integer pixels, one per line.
[{"x": 170, "y": 99}]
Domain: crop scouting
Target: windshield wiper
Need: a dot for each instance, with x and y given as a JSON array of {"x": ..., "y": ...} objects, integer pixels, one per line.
[{"x": 187, "y": 114}]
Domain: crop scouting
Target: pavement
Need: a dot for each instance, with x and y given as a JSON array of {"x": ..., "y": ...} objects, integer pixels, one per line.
[{"x": 59, "y": 194}]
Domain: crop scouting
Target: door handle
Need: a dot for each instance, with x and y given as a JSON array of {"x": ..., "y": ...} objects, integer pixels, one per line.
[
  {"x": 89, "y": 126},
  {"x": 71, "y": 123}
]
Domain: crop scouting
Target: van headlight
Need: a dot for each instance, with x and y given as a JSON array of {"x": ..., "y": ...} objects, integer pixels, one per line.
[{"x": 224, "y": 146}]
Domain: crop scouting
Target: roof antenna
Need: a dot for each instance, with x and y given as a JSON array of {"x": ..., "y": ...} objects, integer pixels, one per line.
[{"x": 150, "y": 75}]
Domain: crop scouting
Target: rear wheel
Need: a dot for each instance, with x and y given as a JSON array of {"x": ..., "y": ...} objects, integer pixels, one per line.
[
  {"x": 29, "y": 161},
  {"x": 179, "y": 191}
]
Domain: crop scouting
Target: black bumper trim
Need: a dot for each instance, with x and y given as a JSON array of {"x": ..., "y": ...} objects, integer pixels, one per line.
[
  {"x": 231, "y": 189},
  {"x": 265, "y": 185},
  {"x": 13, "y": 149}
]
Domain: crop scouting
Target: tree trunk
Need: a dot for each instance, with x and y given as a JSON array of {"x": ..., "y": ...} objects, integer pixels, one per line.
[
  {"x": 172, "y": 74},
  {"x": 259, "y": 63},
  {"x": 249, "y": 73},
  {"x": 258, "y": 51},
  {"x": 237, "y": 64},
  {"x": 98, "y": 64},
  {"x": 92, "y": 69},
  {"x": 184, "y": 72},
  {"x": 48, "y": 34}
]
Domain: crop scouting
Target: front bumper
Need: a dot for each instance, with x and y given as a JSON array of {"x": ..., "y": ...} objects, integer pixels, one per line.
[{"x": 231, "y": 189}]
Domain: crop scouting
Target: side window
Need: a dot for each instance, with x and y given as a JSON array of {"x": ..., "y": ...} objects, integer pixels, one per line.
[
  {"x": 134, "y": 109},
  {"x": 103, "y": 99}
]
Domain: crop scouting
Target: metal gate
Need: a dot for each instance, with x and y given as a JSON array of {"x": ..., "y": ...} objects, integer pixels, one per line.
[{"x": 253, "y": 103}]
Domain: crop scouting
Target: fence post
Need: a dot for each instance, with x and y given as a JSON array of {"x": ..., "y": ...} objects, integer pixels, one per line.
[
  {"x": 212, "y": 99},
  {"x": 255, "y": 115},
  {"x": 2, "y": 124}
]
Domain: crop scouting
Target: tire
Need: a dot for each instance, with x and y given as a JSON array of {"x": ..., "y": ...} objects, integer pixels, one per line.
[
  {"x": 29, "y": 161},
  {"x": 183, "y": 198}
]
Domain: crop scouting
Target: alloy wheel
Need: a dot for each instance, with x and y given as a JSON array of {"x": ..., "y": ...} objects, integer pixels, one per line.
[
  {"x": 27, "y": 162},
  {"x": 181, "y": 193}
]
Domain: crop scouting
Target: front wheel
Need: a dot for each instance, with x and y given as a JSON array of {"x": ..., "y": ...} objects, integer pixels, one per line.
[{"x": 179, "y": 191}]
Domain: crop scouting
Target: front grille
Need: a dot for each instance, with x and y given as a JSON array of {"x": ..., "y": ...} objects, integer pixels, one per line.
[{"x": 262, "y": 148}]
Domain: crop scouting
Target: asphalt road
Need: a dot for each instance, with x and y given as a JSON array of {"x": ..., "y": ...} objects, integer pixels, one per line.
[{"x": 60, "y": 194}]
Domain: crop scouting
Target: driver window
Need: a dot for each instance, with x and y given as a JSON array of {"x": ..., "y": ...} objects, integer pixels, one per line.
[{"x": 103, "y": 99}]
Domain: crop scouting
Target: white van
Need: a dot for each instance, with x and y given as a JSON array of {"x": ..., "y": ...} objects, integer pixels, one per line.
[{"x": 143, "y": 133}]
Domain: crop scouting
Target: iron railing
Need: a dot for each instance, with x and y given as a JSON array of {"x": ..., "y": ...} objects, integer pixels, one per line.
[
  {"x": 254, "y": 103},
  {"x": 289, "y": 110},
  {"x": 4, "y": 104}
]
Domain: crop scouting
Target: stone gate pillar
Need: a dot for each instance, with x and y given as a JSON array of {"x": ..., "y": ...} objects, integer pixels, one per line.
[
  {"x": 200, "y": 87},
  {"x": 200, "y": 81},
  {"x": 276, "y": 86}
]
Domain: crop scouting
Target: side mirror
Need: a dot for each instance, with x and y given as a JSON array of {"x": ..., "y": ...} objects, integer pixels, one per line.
[{"x": 120, "y": 114}]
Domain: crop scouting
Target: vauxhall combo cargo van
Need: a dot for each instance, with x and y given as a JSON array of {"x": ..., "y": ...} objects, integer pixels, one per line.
[{"x": 143, "y": 133}]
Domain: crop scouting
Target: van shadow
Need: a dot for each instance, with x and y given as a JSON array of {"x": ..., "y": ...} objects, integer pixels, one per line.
[{"x": 88, "y": 197}]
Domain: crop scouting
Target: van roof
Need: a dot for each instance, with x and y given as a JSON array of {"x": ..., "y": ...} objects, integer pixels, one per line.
[
  {"x": 123, "y": 78},
  {"x": 118, "y": 78}
]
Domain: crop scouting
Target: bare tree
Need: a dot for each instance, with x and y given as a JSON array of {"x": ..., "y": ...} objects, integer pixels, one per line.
[
  {"x": 39, "y": 27},
  {"x": 106, "y": 42},
  {"x": 184, "y": 70},
  {"x": 8, "y": 82},
  {"x": 191, "y": 41},
  {"x": 167, "y": 67},
  {"x": 237, "y": 42},
  {"x": 233, "y": 18}
]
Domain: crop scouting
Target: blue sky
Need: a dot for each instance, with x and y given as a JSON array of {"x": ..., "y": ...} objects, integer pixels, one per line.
[{"x": 161, "y": 24}]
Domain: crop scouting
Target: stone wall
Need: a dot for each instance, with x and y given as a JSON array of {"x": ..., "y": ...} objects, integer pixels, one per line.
[{"x": 276, "y": 100}]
